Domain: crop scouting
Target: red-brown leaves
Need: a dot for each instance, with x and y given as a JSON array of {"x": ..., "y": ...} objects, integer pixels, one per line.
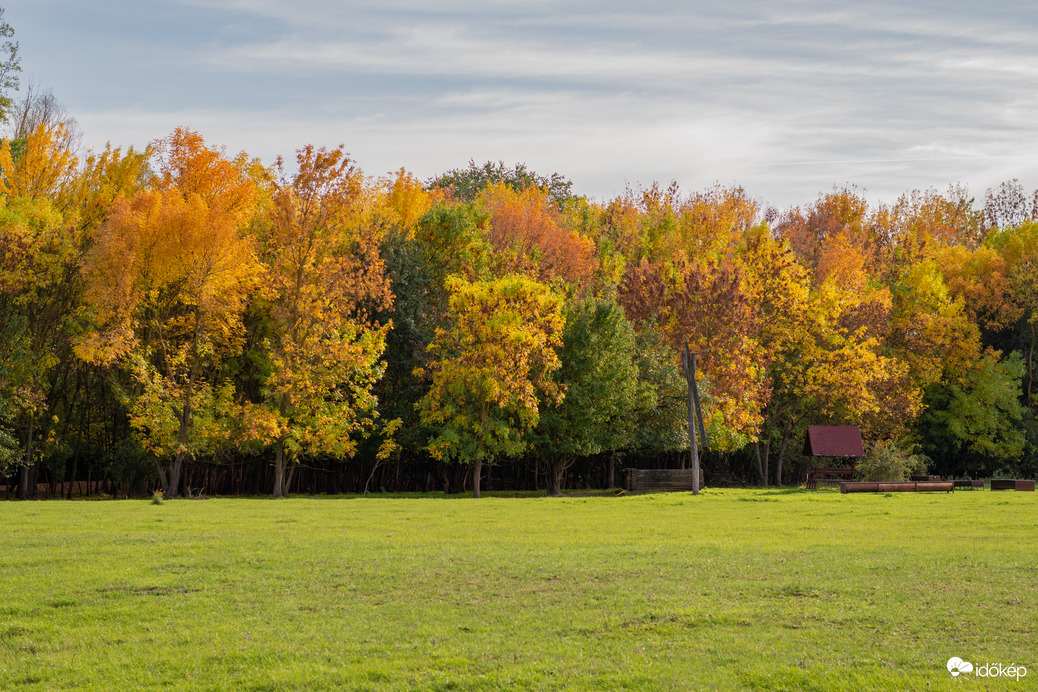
[
  {"x": 710, "y": 307},
  {"x": 532, "y": 238}
]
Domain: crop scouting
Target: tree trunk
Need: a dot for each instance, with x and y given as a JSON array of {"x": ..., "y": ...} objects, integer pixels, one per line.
[
  {"x": 279, "y": 469},
  {"x": 689, "y": 362},
  {"x": 555, "y": 475},
  {"x": 476, "y": 473},
  {"x": 185, "y": 411},
  {"x": 75, "y": 461},
  {"x": 611, "y": 471},
  {"x": 290, "y": 472},
  {"x": 762, "y": 461},
  {"x": 781, "y": 454},
  {"x": 163, "y": 480},
  {"x": 24, "y": 491},
  {"x": 174, "y": 475},
  {"x": 1030, "y": 366}
]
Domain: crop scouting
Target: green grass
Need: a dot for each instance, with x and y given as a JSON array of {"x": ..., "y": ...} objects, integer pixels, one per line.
[{"x": 734, "y": 589}]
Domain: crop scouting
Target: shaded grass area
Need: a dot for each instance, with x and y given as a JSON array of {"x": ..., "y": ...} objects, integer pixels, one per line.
[{"x": 734, "y": 589}]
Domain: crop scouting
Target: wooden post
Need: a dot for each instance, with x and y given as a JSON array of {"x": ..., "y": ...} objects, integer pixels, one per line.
[{"x": 688, "y": 360}]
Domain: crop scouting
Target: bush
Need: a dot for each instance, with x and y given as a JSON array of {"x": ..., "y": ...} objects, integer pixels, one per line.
[{"x": 890, "y": 462}]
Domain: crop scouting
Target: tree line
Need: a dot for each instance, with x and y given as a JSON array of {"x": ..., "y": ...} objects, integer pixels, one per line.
[{"x": 184, "y": 319}]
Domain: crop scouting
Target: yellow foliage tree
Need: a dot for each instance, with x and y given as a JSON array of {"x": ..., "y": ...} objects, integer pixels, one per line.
[
  {"x": 324, "y": 280},
  {"x": 491, "y": 367}
]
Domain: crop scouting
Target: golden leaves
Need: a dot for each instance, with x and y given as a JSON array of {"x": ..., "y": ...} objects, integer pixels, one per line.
[
  {"x": 323, "y": 282},
  {"x": 45, "y": 167},
  {"x": 491, "y": 366}
]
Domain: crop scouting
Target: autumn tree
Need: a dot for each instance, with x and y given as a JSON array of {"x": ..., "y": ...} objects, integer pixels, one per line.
[
  {"x": 777, "y": 287},
  {"x": 930, "y": 331},
  {"x": 1019, "y": 249},
  {"x": 841, "y": 212},
  {"x": 39, "y": 108},
  {"x": 824, "y": 349},
  {"x": 833, "y": 369},
  {"x": 981, "y": 281},
  {"x": 921, "y": 223},
  {"x": 41, "y": 236},
  {"x": 323, "y": 282},
  {"x": 528, "y": 234},
  {"x": 1009, "y": 206},
  {"x": 707, "y": 304},
  {"x": 493, "y": 367},
  {"x": 167, "y": 282}
]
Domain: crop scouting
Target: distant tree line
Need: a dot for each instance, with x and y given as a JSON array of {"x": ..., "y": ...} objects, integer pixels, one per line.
[{"x": 182, "y": 319}]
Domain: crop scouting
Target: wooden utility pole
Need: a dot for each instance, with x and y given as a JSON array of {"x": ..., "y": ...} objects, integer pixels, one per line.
[{"x": 695, "y": 413}]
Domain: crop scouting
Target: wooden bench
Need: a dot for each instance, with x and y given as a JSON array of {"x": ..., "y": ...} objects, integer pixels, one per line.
[
  {"x": 1011, "y": 484},
  {"x": 654, "y": 480},
  {"x": 923, "y": 477},
  {"x": 969, "y": 485},
  {"x": 816, "y": 475},
  {"x": 904, "y": 487}
]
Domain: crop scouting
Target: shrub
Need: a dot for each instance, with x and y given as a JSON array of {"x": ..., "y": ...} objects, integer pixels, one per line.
[{"x": 890, "y": 462}]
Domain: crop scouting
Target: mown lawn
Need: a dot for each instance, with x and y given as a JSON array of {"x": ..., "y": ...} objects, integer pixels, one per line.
[{"x": 734, "y": 589}]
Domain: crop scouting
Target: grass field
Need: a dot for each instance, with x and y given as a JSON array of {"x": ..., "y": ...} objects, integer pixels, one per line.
[{"x": 734, "y": 589}]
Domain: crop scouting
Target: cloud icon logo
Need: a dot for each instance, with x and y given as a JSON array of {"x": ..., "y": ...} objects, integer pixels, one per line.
[{"x": 956, "y": 665}]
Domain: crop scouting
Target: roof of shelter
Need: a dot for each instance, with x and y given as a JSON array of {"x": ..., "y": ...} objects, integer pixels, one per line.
[{"x": 833, "y": 441}]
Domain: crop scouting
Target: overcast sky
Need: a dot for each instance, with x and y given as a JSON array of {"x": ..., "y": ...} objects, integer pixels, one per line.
[{"x": 786, "y": 98}]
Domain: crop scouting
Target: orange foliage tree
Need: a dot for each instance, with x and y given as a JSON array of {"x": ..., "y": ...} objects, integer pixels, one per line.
[
  {"x": 530, "y": 237},
  {"x": 166, "y": 284}
]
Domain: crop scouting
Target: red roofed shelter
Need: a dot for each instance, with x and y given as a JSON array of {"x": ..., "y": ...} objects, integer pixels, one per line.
[{"x": 832, "y": 441}]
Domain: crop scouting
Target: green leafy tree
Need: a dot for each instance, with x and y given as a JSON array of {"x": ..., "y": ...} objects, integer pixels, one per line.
[
  {"x": 661, "y": 419},
  {"x": 492, "y": 367},
  {"x": 978, "y": 418},
  {"x": 10, "y": 66},
  {"x": 467, "y": 183},
  {"x": 599, "y": 375}
]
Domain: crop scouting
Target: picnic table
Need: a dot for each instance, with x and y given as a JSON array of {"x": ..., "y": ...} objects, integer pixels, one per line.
[{"x": 820, "y": 474}]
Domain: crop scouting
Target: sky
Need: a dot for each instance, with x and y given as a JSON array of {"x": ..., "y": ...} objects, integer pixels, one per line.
[{"x": 784, "y": 98}]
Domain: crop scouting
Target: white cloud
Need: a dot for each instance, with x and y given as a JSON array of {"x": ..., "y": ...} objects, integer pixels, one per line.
[{"x": 784, "y": 98}]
